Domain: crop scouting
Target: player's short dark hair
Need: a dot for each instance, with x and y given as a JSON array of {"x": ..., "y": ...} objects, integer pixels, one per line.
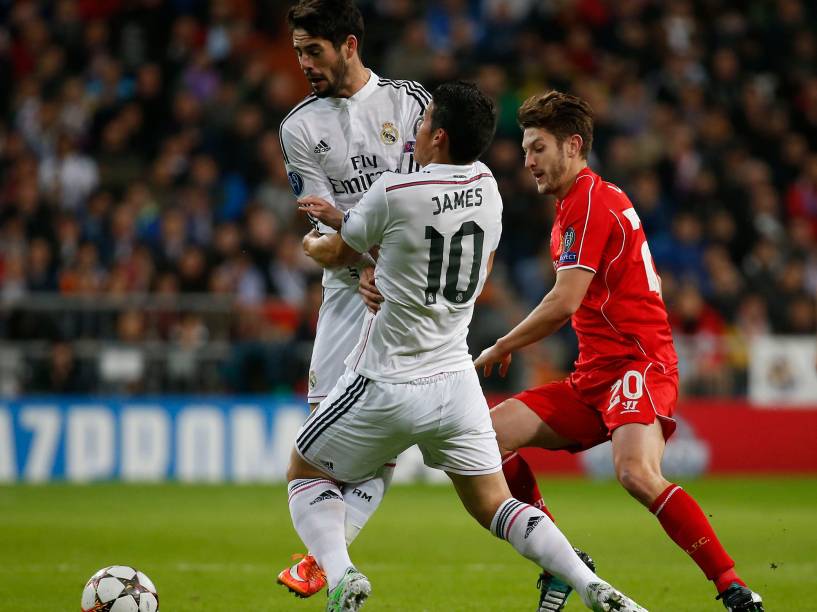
[
  {"x": 333, "y": 20},
  {"x": 560, "y": 114},
  {"x": 467, "y": 115}
]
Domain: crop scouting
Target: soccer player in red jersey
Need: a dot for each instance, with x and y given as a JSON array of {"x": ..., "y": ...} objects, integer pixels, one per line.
[{"x": 625, "y": 384}]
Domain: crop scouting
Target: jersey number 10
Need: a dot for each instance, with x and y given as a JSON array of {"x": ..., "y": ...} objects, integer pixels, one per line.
[{"x": 452, "y": 274}]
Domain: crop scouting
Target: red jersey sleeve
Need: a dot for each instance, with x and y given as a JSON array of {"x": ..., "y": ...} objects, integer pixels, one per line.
[{"x": 585, "y": 226}]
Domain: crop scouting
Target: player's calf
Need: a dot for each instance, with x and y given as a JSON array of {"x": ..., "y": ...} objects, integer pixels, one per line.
[{"x": 535, "y": 537}]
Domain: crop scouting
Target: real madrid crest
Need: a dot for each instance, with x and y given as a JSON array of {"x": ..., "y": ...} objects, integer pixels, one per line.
[{"x": 389, "y": 133}]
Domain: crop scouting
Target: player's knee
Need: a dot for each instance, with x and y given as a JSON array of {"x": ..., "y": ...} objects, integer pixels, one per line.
[
  {"x": 297, "y": 469},
  {"x": 483, "y": 510},
  {"x": 292, "y": 472},
  {"x": 485, "y": 515},
  {"x": 637, "y": 477}
]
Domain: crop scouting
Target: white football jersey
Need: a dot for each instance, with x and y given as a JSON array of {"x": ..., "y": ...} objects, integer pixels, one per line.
[
  {"x": 436, "y": 231},
  {"x": 335, "y": 148}
]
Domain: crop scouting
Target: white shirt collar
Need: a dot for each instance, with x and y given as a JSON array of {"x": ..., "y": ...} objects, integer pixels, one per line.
[
  {"x": 449, "y": 167},
  {"x": 359, "y": 96}
]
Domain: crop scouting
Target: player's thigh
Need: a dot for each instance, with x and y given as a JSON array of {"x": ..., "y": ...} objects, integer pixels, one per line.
[
  {"x": 340, "y": 321},
  {"x": 354, "y": 431},
  {"x": 456, "y": 435},
  {"x": 517, "y": 426},
  {"x": 552, "y": 416}
]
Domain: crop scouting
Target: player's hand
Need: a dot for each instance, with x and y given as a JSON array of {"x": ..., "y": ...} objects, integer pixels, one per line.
[
  {"x": 371, "y": 296},
  {"x": 491, "y": 356},
  {"x": 320, "y": 209}
]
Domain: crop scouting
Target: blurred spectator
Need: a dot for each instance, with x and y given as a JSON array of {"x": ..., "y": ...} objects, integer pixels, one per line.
[
  {"x": 61, "y": 373},
  {"x": 801, "y": 198},
  {"x": 68, "y": 177}
]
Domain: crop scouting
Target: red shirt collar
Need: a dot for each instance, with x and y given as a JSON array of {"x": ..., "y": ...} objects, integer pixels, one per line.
[{"x": 586, "y": 171}]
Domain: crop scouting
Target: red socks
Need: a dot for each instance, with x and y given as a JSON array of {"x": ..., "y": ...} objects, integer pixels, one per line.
[
  {"x": 687, "y": 525},
  {"x": 522, "y": 482}
]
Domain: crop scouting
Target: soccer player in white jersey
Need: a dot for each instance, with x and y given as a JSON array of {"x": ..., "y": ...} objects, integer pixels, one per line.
[
  {"x": 410, "y": 379},
  {"x": 336, "y": 143}
]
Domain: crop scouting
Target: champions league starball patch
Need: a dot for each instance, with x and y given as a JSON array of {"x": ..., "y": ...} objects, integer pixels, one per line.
[{"x": 296, "y": 181}]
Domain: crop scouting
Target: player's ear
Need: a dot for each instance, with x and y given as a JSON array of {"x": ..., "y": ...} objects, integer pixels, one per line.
[
  {"x": 440, "y": 138},
  {"x": 351, "y": 46},
  {"x": 574, "y": 145}
]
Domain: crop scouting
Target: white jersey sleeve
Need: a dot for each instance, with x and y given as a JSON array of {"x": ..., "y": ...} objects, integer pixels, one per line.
[
  {"x": 305, "y": 174},
  {"x": 364, "y": 225}
]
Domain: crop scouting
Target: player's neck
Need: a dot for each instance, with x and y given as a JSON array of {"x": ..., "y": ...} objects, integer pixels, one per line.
[
  {"x": 575, "y": 170},
  {"x": 441, "y": 157},
  {"x": 356, "y": 79}
]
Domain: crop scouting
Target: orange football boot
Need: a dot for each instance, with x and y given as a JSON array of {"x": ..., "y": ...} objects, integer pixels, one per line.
[{"x": 303, "y": 579}]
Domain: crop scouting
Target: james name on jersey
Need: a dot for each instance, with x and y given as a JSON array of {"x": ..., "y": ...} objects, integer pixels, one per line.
[{"x": 467, "y": 198}]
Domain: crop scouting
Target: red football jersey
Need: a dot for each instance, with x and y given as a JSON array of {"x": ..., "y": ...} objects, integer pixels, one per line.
[{"x": 622, "y": 315}]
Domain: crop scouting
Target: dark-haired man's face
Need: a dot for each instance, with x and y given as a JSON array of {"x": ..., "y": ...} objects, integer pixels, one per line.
[
  {"x": 545, "y": 158},
  {"x": 423, "y": 150},
  {"x": 324, "y": 66}
]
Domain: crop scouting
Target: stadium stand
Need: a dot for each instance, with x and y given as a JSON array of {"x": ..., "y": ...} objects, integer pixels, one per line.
[{"x": 149, "y": 241}]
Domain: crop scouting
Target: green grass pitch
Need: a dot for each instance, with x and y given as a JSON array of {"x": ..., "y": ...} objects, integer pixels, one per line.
[{"x": 218, "y": 548}]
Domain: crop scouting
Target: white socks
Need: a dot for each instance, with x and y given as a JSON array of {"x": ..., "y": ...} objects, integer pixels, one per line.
[
  {"x": 318, "y": 514},
  {"x": 362, "y": 500},
  {"x": 328, "y": 519},
  {"x": 535, "y": 537}
]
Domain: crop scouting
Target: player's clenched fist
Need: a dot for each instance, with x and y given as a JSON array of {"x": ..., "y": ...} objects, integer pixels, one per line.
[
  {"x": 321, "y": 210},
  {"x": 493, "y": 355}
]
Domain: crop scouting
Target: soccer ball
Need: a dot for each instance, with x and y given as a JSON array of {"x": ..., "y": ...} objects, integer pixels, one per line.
[{"x": 119, "y": 588}]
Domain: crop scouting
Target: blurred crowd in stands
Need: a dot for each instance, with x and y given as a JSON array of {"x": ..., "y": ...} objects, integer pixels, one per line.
[{"x": 139, "y": 154}]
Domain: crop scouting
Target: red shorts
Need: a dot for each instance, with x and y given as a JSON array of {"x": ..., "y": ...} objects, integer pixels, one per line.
[{"x": 588, "y": 406}]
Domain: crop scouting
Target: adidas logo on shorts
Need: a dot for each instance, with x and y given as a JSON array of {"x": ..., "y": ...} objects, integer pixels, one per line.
[
  {"x": 324, "y": 496},
  {"x": 532, "y": 523}
]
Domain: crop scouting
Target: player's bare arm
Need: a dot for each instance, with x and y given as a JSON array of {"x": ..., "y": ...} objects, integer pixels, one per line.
[
  {"x": 555, "y": 310},
  {"x": 329, "y": 250}
]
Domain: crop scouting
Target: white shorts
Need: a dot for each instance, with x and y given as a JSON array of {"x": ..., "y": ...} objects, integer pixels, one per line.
[
  {"x": 339, "y": 323},
  {"x": 363, "y": 424}
]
